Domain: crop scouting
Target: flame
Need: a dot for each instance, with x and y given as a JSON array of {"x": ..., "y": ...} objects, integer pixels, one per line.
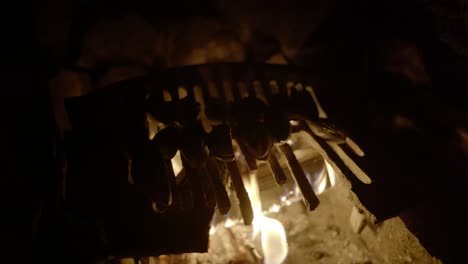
[
  {"x": 319, "y": 180},
  {"x": 251, "y": 186},
  {"x": 273, "y": 236},
  {"x": 177, "y": 163},
  {"x": 331, "y": 173},
  {"x": 229, "y": 222},
  {"x": 323, "y": 184},
  {"x": 212, "y": 230},
  {"x": 275, "y": 208},
  {"x": 274, "y": 243}
]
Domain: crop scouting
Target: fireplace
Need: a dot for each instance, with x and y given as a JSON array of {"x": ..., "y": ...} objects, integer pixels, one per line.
[
  {"x": 231, "y": 133},
  {"x": 303, "y": 175}
]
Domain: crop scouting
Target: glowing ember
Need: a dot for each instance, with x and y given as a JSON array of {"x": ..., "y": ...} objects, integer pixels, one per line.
[
  {"x": 275, "y": 208},
  {"x": 273, "y": 236}
]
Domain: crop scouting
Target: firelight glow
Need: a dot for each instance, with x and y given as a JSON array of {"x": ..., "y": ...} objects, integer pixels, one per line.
[
  {"x": 323, "y": 179},
  {"x": 212, "y": 230},
  {"x": 273, "y": 236},
  {"x": 176, "y": 163},
  {"x": 331, "y": 173},
  {"x": 274, "y": 244},
  {"x": 229, "y": 223},
  {"x": 275, "y": 208},
  {"x": 322, "y": 185}
]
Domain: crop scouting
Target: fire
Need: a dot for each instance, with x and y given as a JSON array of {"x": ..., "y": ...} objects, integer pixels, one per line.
[
  {"x": 321, "y": 179},
  {"x": 229, "y": 223},
  {"x": 328, "y": 175},
  {"x": 273, "y": 236},
  {"x": 331, "y": 173},
  {"x": 177, "y": 163},
  {"x": 323, "y": 183},
  {"x": 274, "y": 243},
  {"x": 212, "y": 230}
]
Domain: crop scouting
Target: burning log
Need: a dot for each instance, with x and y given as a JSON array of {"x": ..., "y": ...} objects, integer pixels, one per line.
[{"x": 310, "y": 199}]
